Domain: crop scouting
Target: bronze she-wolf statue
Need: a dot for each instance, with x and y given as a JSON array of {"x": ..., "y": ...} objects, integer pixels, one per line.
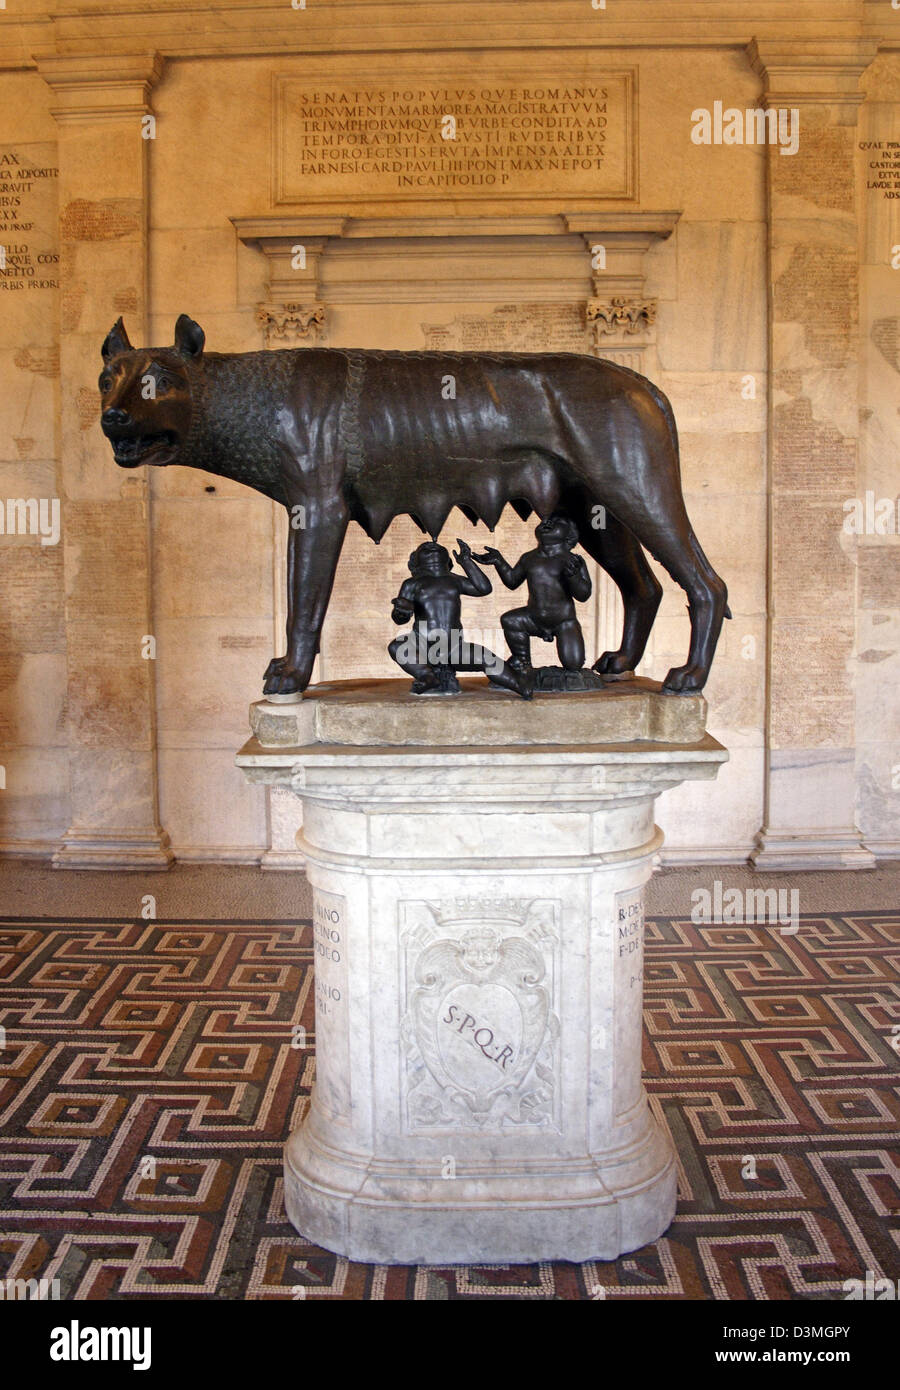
[{"x": 338, "y": 435}]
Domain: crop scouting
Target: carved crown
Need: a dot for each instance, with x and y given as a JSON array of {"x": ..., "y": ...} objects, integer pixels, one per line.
[{"x": 486, "y": 910}]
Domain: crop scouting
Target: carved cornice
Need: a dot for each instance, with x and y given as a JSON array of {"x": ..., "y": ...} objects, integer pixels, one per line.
[
  {"x": 446, "y": 258},
  {"x": 636, "y": 230},
  {"x": 263, "y": 231},
  {"x": 214, "y": 28},
  {"x": 631, "y": 230}
]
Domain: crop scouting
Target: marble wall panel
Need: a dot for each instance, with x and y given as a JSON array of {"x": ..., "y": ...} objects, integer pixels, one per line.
[
  {"x": 209, "y": 809},
  {"x": 212, "y": 557},
  {"x": 34, "y": 806},
  {"x": 208, "y": 670},
  {"x": 806, "y": 654},
  {"x": 211, "y": 157},
  {"x": 30, "y": 370},
  {"x": 720, "y": 323},
  {"x": 117, "y": 783},
  {"x": 877, "y": 678},
  {"x": 729, "y": 464},
  {"x": 878, "y": 795},
  {"x": 107, "y": 705},
  {"x": 707, "y": 182},
  {"x": 32, "y": 699},
  {"x": 196, "y": 271},
  {"x": 718, "y": 819},
  {"x": 713, "y": 403}
]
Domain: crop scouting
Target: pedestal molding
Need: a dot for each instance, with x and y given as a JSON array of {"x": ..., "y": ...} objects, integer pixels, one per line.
[{"x": 527, "y": 868}]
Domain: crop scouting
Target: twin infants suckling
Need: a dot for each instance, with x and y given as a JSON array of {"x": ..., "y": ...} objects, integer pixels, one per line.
[{"x": 435, "y": 647}]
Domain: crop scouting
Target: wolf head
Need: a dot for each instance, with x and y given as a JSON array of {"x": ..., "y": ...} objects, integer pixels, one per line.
[{"x": 146, "y": 395}]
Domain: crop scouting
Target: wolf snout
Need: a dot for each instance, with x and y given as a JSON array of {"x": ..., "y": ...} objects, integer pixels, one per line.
[{"x": 114, "y": 418}]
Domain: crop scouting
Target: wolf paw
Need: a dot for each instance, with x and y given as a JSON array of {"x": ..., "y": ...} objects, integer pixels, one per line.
[
  {"x": 283, "y": 680},
  {"x": 613, "y": 665},
  {"x": 275, "y": 667},
  {"x": 685, "y": 680}
]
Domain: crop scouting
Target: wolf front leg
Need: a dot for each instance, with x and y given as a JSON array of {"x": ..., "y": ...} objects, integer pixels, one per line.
[
  {"x": 313, "y": 552},
  {"x": 278, "y": 663}
]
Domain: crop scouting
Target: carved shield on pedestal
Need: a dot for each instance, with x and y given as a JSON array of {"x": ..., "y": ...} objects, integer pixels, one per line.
[{"x": 480, "y": 1031}]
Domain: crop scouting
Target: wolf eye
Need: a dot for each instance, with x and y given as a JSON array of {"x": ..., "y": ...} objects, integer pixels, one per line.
[
  {"x": 163, "y": 384},
  {"x": 105, "y": 382}
]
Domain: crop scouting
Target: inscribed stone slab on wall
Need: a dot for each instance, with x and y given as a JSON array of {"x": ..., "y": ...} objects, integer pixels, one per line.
[
  {"x": 32, "y": 626},
  {"x": 28, "y": 229},
  {"x": 355, "y": 140}
]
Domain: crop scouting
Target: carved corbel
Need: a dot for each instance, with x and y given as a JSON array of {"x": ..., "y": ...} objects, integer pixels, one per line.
[
  {"x": 621, "y": 325},
  {"x": 620, "y": 315},
  {"x": 291, "y": 324}
]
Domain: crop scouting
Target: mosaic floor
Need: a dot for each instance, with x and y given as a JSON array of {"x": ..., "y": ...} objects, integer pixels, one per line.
[{"x": 148, "y": 1082}]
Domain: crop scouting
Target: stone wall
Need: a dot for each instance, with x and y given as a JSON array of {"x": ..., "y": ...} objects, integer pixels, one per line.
[{"x": 183, "y": 160}]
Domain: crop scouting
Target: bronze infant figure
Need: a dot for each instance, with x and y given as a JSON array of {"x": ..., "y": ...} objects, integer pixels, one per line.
[
  {"x": 338, "y": 435},
  {"x": 554, "y": 578},
  {"x": 436, "y": 647}
]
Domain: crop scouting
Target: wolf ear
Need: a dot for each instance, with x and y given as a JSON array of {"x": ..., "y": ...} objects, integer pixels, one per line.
[
  {"x": 189, "y": 337},
  {"x": 116, "y": 341}
]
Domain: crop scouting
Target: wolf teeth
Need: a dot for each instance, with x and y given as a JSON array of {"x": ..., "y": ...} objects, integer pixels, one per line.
[{"x": 127, "y": 448}]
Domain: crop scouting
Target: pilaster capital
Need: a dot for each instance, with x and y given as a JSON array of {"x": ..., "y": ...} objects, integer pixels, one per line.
[
  {"x": 101, "y": 88},
  {"x": 802, "y": 72}
]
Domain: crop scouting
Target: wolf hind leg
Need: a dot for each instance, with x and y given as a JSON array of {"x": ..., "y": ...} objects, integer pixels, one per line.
[
  {"x": 617, "y": 551},
  {"x": 708, "y": 606},
  {"x": 675, "y": 546}
]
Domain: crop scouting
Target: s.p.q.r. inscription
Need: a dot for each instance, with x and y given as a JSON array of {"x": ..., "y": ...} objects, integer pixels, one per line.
[{"x": 482, "y": 1036}]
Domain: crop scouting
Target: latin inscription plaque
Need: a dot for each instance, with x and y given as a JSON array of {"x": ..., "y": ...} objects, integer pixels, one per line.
[
  {"x": 343, "y": 142},
  {"x": 332, "y": 1027},
  {"x": 29, "y": 260},
  {"x": 628, "y": 949}
]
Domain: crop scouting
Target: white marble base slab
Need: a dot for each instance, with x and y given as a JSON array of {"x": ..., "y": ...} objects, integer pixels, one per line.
[
  {"x": 122, "y": 850},
  {"x": 494, "y": 1214},
  {"x": 779, "y": 851},
  {"x": 478, "y": 935}
]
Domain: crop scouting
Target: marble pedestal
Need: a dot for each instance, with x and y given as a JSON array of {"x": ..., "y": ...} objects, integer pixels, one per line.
[{"x": 478, "y": 866}]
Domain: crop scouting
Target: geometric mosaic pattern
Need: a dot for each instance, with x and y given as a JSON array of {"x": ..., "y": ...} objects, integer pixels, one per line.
[{"x": 149, "y": 1080}]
